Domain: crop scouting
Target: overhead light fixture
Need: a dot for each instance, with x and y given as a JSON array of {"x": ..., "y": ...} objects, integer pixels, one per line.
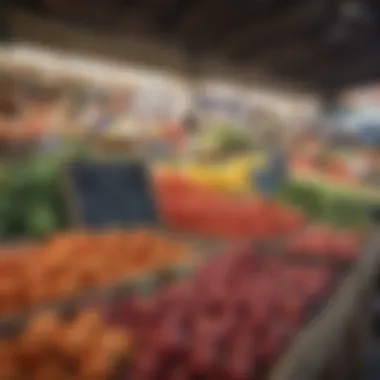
[
  {"x": 350, "y": 9},
  {"x": 350, "y": 16},
  {"x": 355, "y": 11}
]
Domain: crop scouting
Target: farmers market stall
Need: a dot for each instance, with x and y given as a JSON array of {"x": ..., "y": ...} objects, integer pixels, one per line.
[
  {"x": 270, "y": 247},
  {"x": 201, "y": 205},
  {"x": 173, "y": 269}
]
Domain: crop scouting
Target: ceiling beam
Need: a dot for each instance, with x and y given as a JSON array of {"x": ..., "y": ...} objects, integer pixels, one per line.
[
  {"x": 145, "y": 16},
  {"x": 288, "y": 53},
  {"x": 226, "y": 19},
  {"x": 199, "y": 15},
  {"x": 251, "y": 35},
  {"x": 205, "y": 34},
  {"x": 349, "y": 61},
  {"x": 96, "y": 12},
  {"x": 173, "y": 15},
  {"x": 340, "y": 76}
]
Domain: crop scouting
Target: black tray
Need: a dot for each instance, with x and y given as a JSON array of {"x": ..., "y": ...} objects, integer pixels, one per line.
[{"x": 111, "y": 193}]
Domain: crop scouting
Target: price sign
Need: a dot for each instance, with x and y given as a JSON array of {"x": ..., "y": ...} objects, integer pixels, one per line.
[{"x": 112, "y": 194}]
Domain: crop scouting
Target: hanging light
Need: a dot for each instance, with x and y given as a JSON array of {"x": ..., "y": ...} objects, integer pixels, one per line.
[
  {"x": 350, "y": 10},
  {"x": 350, "y": 16},
  {"x": 355, "y": 12}
]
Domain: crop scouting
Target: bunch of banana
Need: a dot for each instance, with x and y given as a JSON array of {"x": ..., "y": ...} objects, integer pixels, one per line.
[{"x": 231, "y": 175}]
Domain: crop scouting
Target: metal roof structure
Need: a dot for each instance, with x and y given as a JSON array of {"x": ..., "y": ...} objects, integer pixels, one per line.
[{"x": 326, "y": 45}]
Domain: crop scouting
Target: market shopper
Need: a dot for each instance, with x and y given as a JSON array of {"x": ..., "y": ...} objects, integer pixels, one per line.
[
  {"x": 360, "y": 166},
  {"x": 272, "y": 177}
]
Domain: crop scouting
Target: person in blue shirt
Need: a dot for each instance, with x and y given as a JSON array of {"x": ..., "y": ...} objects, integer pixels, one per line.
[{"x": 272, "y": 177}]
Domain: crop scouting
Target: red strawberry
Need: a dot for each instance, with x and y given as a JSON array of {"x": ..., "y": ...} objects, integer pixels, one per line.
[
  {"x": 345, "y": 246},
  {"x": 239, "y": 361}
]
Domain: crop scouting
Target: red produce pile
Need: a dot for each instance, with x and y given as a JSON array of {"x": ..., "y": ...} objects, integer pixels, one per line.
[
  {"x": 323, "y": 242},
  {"x": 231, "y": 319},
  {"x": 185, "y": 206}
]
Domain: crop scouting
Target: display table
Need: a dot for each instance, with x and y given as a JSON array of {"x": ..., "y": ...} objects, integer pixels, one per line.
[{"x": 330, "y": 347}]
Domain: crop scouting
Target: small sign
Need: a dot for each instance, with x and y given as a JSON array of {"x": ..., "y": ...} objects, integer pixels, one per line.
[{"x": 116, "y": 194}]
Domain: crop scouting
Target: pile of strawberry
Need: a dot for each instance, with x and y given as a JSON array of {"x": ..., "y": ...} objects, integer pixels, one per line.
[
  {"x": 230, "y": 320},
  {"x": 322, "y": 242}
]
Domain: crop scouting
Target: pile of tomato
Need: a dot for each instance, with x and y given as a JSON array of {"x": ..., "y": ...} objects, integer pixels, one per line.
[{"x": 185, "y": 206}]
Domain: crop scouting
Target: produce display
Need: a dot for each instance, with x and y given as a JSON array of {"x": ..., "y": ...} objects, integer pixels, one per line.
[
  {"x": 332, "y": 168},
  {"x": 52, "y": 348},
  {"x": 102, "y": 305},
  {"x": 230, "y": 175},
  {"x": 325, "y": 243},
  {"x": 230, "y": 320},
  {"x": 224, "y": 139},
  {"x": 30, "y": 198},
  {"x": 339, "y": 206},
  {"x": 73, "y": 263},
  {"x": 188, "y": 207}
]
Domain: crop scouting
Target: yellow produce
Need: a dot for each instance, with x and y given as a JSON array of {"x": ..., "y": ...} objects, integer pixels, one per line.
[{"x": 231, "y": 175}]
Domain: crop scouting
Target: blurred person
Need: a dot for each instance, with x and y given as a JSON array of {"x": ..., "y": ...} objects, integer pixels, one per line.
[
  {"x": 360, "y": 166},
  {"x": 97, "y": 117},
  {"x": 109, "y": 116},
  {"x": 124, "y": 125},
  {"x": 40, "y": 111},
  {"x": 9, "y": 117},
  {"x": 170, "y": 136},
  {"x": 191, "y": 129},
  {"x": 191, "y": 123},
  {"x": 373, "y": 176},
  {"x": 52, "y": 114},
  {"x": 79, "y": 112},
  {"x": 273, "y": 176}
]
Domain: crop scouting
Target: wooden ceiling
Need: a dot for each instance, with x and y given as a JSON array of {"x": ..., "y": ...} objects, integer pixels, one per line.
[{"x": 327, "y": 44}]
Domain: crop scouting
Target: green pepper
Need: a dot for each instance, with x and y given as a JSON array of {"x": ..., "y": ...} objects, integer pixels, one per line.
[{"x": 305, "y": 197}]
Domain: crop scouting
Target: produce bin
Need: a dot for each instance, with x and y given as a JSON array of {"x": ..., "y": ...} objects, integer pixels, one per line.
[
  {"x": 58, "y": 322},
  {"x": 140, "y": 282},
  {"x": 329, "y": 345}
]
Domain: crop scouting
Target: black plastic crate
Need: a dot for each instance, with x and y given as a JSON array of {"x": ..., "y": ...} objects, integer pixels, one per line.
[{"x": 112, "y": 193}]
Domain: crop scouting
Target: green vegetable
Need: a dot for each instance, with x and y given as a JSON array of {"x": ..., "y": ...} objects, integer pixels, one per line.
[
  {"x": 30, "y": 201},
  {"x": 307, "y": 198},
  {"x": 225, "y": 138},
  {"x": 329, "y": 204},
  {"x": 41, "y": 219}
]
